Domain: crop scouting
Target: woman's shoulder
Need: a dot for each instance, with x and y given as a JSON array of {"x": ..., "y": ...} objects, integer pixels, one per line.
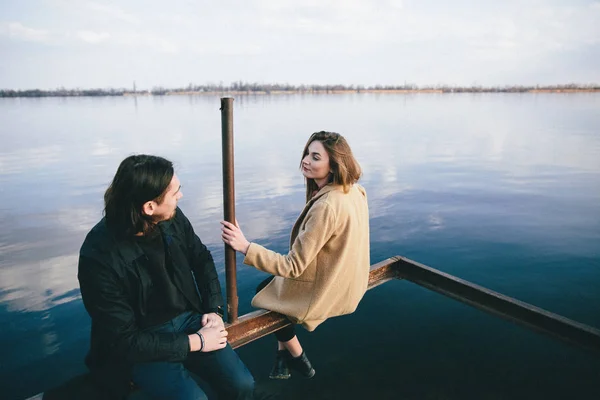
[
  {"x": 338, "y": 197},
  {"x": 338, "y": 191},
  {"x": 358, "y": 187}
]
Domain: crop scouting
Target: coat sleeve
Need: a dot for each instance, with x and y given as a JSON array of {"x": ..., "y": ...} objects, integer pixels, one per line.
[
  {"x": 319, "y": 226},
  {"x": 113, "y": 317},
  {"x": 203, "y": 267}
]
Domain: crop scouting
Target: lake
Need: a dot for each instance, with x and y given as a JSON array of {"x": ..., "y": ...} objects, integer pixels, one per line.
[{"x": 502, "y": 190}]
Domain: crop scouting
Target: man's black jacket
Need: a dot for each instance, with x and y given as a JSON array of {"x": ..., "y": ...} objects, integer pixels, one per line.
[{"x": 115, "y": 286}]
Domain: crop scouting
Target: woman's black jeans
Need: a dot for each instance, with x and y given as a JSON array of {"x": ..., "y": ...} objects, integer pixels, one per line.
[{"x": 285, "y": 334}]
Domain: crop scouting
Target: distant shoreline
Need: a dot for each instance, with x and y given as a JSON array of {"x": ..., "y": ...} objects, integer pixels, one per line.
[
  {"x": 347, "y": 91},
  {"x": 236, "y": 92}
]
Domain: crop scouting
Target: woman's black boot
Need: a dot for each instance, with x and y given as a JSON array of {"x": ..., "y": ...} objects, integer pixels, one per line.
[
  {"x": 302, "y": 365},
  {"x": 280, "y": 369}
]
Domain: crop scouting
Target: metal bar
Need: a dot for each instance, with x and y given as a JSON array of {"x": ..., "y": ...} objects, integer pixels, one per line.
[
  {"x": 254, "y": 325},
  {"x": 229, "y": 204},
  {"x": 500, "y": 305},
  {"x": 383, "y": 272},
  {"x": 257, "y": 324}
]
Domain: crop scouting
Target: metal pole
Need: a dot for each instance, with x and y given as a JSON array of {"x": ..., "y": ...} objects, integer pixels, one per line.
[{"x": 229, "y": 204}]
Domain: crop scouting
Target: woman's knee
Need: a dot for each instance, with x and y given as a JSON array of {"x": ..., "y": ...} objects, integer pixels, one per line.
[{"x": 286, "y": 334}]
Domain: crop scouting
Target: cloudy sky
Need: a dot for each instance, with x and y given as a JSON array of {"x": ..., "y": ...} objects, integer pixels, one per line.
[{"x": 78, "y": 43}]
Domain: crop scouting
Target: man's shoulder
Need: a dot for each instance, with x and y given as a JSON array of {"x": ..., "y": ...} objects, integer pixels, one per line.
[
  {"x": 98, "y": 240},
  {"x": 98, "y": 232}
]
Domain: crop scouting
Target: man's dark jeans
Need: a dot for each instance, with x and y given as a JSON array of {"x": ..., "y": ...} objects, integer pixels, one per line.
[{"x": 222, "y": 369}]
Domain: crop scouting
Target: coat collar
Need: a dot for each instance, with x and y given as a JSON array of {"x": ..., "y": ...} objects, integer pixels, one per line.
[
  {"x": 131, "y": 251},
  {"x": 331, "y": 187},
  {"x": 324, "y": 190}
]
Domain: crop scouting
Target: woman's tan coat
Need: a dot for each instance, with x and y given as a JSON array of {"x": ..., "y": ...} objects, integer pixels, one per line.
[{"x": 326, "y": 272}]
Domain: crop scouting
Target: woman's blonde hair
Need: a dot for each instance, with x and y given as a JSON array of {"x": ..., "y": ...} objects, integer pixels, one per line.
[{"x": 345, "y": 170}]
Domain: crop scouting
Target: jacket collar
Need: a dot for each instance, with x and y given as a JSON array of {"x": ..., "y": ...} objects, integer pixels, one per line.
[
  {"x": 324, "y": 190},
  {"x": 168, "y": 227},
  {"x": 130, "y": 250},
  {"x": 331, "y": 187}
]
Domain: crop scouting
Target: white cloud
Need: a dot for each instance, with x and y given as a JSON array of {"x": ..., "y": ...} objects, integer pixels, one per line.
[
  {"x": 93, "y": 37},
  {"x": 17, "y": 30},
  {"x": 152, "y": 41},
  {"x": 233, "y": 49},
  {"x": 322, "y": 41},
  {"x": 114, "y": 12},
  {"x": 369, "y": 23},
  {"x": 397, "y": 4},
  {"x": 130, "y": 39}
]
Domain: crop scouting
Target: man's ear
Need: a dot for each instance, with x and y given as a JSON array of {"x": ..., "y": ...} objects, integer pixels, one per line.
[{"x": 148, "y": 208}]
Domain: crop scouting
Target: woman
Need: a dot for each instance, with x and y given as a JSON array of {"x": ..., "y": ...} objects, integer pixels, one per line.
[{"x": 326, "y": 272}]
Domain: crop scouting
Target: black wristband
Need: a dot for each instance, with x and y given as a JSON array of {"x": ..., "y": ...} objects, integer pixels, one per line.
[{"x": 201, "y": 340}]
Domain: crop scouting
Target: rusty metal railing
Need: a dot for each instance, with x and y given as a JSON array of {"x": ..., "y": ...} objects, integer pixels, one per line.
[
  {"x": 257, "y": 324},
  {"x": 260, "y": 323},
  {"x": 508, "y": 308}
]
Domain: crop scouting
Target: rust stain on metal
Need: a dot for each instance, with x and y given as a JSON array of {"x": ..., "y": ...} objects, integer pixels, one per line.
[
  {"x": 260, "y": 323},
  {"x": 384, "y": 271},
  {"x": 253, "y": 326},
  {"x": 257, "y": 324}
]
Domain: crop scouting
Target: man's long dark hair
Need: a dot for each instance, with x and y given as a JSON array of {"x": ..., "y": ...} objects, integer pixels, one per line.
[{"x": 139, "y": 178}]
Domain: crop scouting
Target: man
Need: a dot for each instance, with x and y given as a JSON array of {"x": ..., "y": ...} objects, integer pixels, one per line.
[{"x": 152, "y": 292}]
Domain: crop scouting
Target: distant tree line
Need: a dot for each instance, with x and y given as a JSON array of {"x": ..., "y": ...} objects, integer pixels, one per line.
[
  {"x": 62, "y": 92},
  {"x": 247, "y": 87}
]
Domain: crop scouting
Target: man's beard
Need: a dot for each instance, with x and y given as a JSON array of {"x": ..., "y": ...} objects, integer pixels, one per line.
[
  {"x": 172, "y": 215},
  {"x": 156, "y": 220}
]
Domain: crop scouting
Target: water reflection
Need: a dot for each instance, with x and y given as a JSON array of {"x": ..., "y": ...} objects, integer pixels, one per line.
[{"x": 503, "y": 190}]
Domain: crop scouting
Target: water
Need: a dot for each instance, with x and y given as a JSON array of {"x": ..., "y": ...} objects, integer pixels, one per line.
[{"x": 499, "y": 189}]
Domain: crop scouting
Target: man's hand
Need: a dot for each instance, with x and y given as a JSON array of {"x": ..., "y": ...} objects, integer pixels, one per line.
[
  {"x": 212, "y": 320},
  {"x": 233, "y": 236},
  {"x": 215, "y": 338}
]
